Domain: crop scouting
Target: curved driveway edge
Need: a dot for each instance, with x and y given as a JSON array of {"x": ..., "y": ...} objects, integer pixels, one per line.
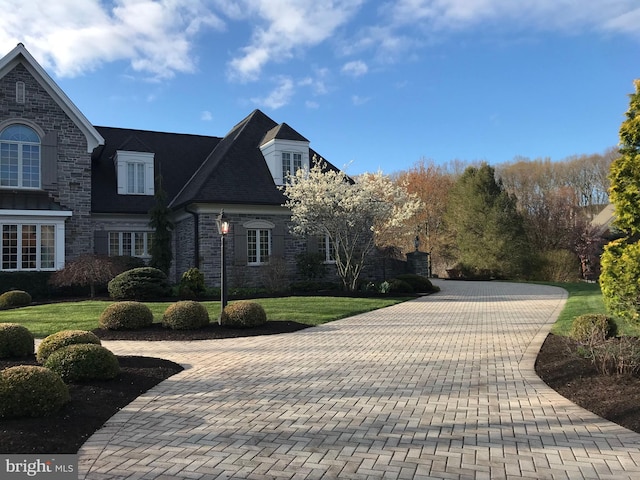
[{"x": 438, "y": 387}]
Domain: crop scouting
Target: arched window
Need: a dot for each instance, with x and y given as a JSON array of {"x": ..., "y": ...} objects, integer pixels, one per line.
[{"x": 19, "y": 157}]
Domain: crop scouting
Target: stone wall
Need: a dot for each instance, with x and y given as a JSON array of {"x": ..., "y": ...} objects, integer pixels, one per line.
[{"x": 73, "y": 188}]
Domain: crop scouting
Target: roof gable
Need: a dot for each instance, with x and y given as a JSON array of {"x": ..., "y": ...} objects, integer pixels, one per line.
[
  {"x": 283, "y": 132},
  {"x": 20, "y": 55}
]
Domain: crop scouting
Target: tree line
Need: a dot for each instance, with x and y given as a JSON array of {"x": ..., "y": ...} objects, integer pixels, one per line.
[{"x": 528, "y": 218}]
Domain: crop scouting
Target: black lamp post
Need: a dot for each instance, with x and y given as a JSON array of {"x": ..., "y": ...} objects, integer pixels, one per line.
[{"x": 223, "y": 228}]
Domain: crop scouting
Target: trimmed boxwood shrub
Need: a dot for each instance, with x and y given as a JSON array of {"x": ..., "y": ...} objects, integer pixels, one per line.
[
  {"x": 15, "y": 298},
  {"x": 419, "y": 283},
  {"x": 31, "y": 391},
  {"x": 126, "y": 315},
  {"x": 185, "y": 315},
  {"x": 592, "y": 328},
  {"x": 61, "y": 339},
  {"x": 143, "y": 283},
  {"x": 243, "y": 314},
  {"x": 82, "y": 362},
  {"x": 15, "y": 341}
]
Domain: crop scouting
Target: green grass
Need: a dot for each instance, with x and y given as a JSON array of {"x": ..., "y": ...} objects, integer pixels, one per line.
[
  {"x": 43, "y": 320},
  {"x": 586, "y": 298}
]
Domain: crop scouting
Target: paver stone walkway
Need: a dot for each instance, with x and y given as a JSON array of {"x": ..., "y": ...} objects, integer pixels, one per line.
[{"x": 439, "y": 387}]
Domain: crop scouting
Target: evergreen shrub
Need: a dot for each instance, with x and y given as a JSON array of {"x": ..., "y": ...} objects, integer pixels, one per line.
[
  {"x": 144, "y": 283},
  {"x": 31, "y": 391},
  {"x": 15, "y": 341},
  {"x": 185, "y": 315},
  {"x": 243, "y": 314},
  {"x": 83, "y": 362},
  {"x": 126, "y": 315},
  {"x": 61, "y": 339},
  {"x": 15, "y": 298}
]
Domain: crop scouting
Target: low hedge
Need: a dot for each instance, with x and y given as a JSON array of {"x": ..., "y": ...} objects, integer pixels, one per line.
[
  {"x": 62, "y": 339},
  {"x": 15, "y": 341},
  {"x": 31, "y": 391},
  {"x": 83, "y": 362}
]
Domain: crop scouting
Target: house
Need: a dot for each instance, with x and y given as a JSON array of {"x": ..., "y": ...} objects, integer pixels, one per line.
[{"x": 68, "y": 187}]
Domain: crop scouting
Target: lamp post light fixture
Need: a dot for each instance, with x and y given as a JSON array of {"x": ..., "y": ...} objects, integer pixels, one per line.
[{"x": 223, "y": 228}]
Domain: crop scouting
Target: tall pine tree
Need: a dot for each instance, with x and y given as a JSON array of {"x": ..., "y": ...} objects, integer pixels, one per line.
[
  {"x": 160, "y": 221},
  {"x": 487, "y": 229}
]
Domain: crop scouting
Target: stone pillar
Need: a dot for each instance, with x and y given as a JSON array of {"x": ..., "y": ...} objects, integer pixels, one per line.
[{"x": 418, "y": 263}]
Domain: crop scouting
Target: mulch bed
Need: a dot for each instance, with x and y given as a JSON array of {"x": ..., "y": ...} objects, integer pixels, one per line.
[{"x": 93, "y": 403}]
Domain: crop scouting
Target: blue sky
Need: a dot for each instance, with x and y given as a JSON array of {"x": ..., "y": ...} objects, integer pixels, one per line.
[{"x": 372, "y": 84}]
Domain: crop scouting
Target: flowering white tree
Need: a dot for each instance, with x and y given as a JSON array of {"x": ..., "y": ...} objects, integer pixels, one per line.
[{"x": 351, "y": 213}]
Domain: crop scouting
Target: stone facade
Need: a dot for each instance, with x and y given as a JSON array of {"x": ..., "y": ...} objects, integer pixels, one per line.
[{"x": 72, "y": 187}]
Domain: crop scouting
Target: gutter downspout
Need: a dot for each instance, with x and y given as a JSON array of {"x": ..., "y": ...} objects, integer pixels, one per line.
[{"x": 196, "y": 236}]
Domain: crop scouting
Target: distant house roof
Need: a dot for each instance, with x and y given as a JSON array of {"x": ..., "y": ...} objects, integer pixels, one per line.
[{"x": 603, "y": 221}]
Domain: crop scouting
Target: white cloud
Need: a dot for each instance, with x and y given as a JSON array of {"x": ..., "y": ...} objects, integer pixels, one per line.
[
  {"x": 73, "y": 37},
  {"x": 357, "y": 100},
  {"x": 355, "y": 68},
  {"x": 284, "y": 27},
  {"x": 312, "y": 105},
  {"x": 279, "y": 96},
  {"x": 206, "y": 116}
]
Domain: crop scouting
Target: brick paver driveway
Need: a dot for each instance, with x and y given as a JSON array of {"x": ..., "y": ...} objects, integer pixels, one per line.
[{"x": 439, "y": 387}]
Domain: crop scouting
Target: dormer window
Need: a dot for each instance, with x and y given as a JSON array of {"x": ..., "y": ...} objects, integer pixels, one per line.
[
  {"x": 291, "y": 163},
  {"x": 135, "y": 172}
]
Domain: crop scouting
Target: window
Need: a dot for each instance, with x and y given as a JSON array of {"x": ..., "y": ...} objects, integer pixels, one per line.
[
  {"x": 20, "y": 92},
  {"x": 290, "y": 159},
  {"x": 135, "y": 178},
  {"x": 132, "y": 244},
  {"x": 135, "y": 172},
  {"x": 28, "y": 247},
  {"x": 258, "y": 246},
  {"x": 19, "y": 157},
  {"x": 326, "y": 249}
]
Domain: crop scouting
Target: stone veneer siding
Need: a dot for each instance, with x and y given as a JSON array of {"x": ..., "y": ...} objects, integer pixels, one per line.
[{"x": 73, "y": 189}]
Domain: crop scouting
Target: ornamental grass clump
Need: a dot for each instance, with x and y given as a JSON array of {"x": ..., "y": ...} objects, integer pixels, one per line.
[
  {"x": 14, "y": 298},
  {"x": 62, "y": 339},
  {"x": 83, "y": 362},
  {"x": 185, "y": 315},
  {"x": 128, "y": 315},
  {"x": 31, "y": 391},
  {"x": 15, "y": 341},
  {"x": 243, "y": 314}
]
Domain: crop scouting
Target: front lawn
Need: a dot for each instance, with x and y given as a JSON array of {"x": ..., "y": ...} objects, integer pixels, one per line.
[{"x": 43, "y": 320}]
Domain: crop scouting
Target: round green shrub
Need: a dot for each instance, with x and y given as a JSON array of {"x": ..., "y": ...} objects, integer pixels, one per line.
[
  {"x": 82, "y": 362},
  {"x": 143, "y": 283},
  {"x": 15, "y": 341},
  {"x": 31, "y": 391},
  {"x": 419, "y": 283},
  {"x": 192, "y": 284},
  {"x": 592, "y": 328},
  {"x": 61, "y": 339},
  {"x": 126, "y": 315},
  {"x": 243, "y": 314},
  {"x": 15, "y": 298},
  {"x": 185, "y": 315}
]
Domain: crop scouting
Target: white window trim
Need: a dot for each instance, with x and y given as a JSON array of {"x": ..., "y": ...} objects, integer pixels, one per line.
[
  {"x": 40, "y": 135},
  {"x": 147, "y": 246},
  {"x": 272, "y": 153},
  {"x": 325, "y": 251},
  {"x": 259, "y": 225},
  {"x": 39, "y": 217},
  {"x": 122, "y": 161}
]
